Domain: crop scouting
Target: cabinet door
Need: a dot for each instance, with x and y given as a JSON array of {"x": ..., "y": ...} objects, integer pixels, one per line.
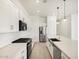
[
  {"x": 21, "y": 15},
  {"x": 21, "y": 55},
  {"x": 74, "y": 26},
  {"x": 4, "y": 16},
  {"x": 56, "y": 53},
  {"x": 14, "y": 25},
  {"x": 51, "y": 26},
  {"x": 50, "y": 48},
  {"x": 8, "y": 15},
  {"x": 24, "y": 54}
]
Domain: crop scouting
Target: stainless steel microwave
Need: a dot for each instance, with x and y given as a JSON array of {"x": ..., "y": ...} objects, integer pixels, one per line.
[{"x": 22, "y": 26}]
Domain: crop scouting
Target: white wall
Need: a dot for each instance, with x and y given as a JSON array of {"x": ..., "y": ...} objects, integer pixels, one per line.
[{"x": 51, "y": 26}]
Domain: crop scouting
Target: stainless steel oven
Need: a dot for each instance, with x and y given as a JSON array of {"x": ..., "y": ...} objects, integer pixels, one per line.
[{"x": 29, "y": 48}]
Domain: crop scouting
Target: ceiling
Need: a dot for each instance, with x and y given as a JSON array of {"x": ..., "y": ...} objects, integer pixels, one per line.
[{"x": 50, "y": 7}]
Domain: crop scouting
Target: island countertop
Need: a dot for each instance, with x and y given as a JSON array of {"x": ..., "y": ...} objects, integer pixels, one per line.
[{"x": 69, "y": 47}]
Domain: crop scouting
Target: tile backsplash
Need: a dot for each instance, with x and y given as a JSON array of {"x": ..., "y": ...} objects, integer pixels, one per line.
[{"x": 7, "y": 38}]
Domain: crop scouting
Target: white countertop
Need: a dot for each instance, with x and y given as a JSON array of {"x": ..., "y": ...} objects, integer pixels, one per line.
[
  {"x": 12, "y": 49},
  {"x": 69, "y": 47}
]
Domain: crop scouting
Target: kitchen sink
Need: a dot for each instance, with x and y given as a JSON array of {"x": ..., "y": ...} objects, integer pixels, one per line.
[{"x": 54, "y": 39}]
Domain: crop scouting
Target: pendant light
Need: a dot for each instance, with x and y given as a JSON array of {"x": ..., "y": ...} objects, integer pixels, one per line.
[
  {"x": 64, "y": 12},
  {"x": 58, "y": 22}
]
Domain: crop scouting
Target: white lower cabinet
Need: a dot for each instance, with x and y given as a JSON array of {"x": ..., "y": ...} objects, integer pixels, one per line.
[
  {"x": 21, "y": 55},
  {"x": 14, "y": 51},
  {"x": 64, "y": 56},
  {"x": 50, "y": 48},
  {"x": 55, "y": 52}
]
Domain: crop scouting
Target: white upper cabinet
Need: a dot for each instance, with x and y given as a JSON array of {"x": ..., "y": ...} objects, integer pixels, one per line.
[
  {"x": 22, "y": 16},
  {"x": 74, "y": 27},
  {"x": 8, "y": 16},
  {"x": 51, "y": 26},
  {"x": 15, "y": 18}
]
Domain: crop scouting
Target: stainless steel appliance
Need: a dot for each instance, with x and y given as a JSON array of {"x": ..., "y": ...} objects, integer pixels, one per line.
[
  {"x": 22, "y": 26},
  {"x": 29, "y": 44},
  {"x": 41, "y": 34}
]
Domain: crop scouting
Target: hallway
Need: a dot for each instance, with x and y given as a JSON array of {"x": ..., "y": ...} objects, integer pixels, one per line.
[{"x": 40, "y": 51}]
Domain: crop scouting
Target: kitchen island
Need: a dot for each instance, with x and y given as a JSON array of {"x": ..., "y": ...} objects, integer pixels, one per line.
[{"x": 68, "y": 48}]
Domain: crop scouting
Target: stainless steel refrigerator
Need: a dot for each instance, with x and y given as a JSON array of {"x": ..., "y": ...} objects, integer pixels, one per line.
[{"x": 41, "y": 34}]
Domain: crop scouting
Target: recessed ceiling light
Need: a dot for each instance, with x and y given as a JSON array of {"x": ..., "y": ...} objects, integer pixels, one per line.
[
  {"x": 37, "y": 1},
  {"x": 38, "y": 11}
]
